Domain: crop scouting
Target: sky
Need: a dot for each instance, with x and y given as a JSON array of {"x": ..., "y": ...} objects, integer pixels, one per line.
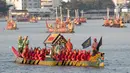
[{"x": 65, "y": 0}]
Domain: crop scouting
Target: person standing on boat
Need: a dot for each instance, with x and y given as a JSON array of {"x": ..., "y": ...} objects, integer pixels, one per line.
[
  {"x": 94, "y": 46},
  {"x": 25, "y": 42},
  {"x": 69, "y": 45},
  {"x": 20, "y": 44}
]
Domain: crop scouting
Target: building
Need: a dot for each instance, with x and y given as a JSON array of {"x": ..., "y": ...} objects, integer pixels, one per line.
[
  {"x": 24, "y": 4},
  {"x": 32, "y": 3},
  {"x": 17, "y": 4},
  {"x": 35, "y": 7},
  {"x": 50, "y": 3}
]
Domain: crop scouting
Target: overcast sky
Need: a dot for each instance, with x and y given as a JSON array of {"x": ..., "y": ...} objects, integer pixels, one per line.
[{"x": 65, "y": 0}]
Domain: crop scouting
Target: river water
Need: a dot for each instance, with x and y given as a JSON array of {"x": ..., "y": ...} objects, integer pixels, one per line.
[{"x": 116, "y": 46}]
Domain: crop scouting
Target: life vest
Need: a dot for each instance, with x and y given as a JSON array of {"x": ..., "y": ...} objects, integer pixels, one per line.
[
  {"x": 69, "y": 56},
  {"x": 83, "y": 57},
  {"x": 66, "y": 57},
  {"x": 62, "y": 56},
  {"x": 58, "y": 57},
  {"x": 73, "y": 57},
  {"x": 78, "y": 57}
]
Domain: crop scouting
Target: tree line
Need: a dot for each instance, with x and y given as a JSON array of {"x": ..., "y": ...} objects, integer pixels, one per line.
[
  {"x": 4, "y": 7},
  {"x": 88, "y": 4}
]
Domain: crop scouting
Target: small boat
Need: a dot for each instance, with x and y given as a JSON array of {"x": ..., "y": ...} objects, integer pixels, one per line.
[
  {"x": 69, "y": 29},
  {"x": 33, "y": 20},
  {"x": 77, "y": 19},
  {"x": 60, "y": 26},
  {"x": 52, "y": 39},
  {"x": 11, "y": 25},
  {"x": 82, "y": 18}
]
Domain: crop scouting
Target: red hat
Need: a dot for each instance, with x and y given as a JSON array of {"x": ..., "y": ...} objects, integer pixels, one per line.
[{"x": 95, "y": 39}]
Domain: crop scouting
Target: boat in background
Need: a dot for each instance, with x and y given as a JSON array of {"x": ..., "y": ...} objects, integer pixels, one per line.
[
  {"x": 60, "y": 26},
  {"x": 11, "y": 24},
  {"x": 77, "y": 19},
  {"x": 33, "y": 19},
  {"x": 82, "y": 18},
  {"x": 116, "y": 22}
]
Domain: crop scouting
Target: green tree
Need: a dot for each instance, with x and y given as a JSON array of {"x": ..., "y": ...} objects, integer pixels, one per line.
[
  {"x": 89, "y": 4},
  {"x": 4, "y": 7}
]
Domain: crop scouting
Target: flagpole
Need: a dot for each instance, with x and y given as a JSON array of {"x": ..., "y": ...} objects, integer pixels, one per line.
[
  {"x": 61, "y": 14},
  {"x": 108, "y": 10},
  {"x": 56, "y": 13},
  {"x": 68, "y": 13}
]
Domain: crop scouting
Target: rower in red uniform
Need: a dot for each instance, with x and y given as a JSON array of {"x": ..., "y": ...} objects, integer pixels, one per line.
[
  {"x": 62, "y": 55},
  {"x": 69, "y": 56},
  {"x": 66, "y": 56},
  {"x": 83, "y": 56},
  {"x": 25, "y": 53},
  {"x": 30, "y": 53},
  {"x": 88, "y": 55},
  {"x": 78, "y": 57},
  {"x": 73, "y": 57},
  {"x": 36, "y": 54},
  {"x": 41, "y": 56},
  {"x": 58, "y": 57}
]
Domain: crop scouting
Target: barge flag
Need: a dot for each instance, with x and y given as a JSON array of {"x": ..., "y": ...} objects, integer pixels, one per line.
[
  {"x": 99, "y": 44},
  {"x": 87, "y": 43}
]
